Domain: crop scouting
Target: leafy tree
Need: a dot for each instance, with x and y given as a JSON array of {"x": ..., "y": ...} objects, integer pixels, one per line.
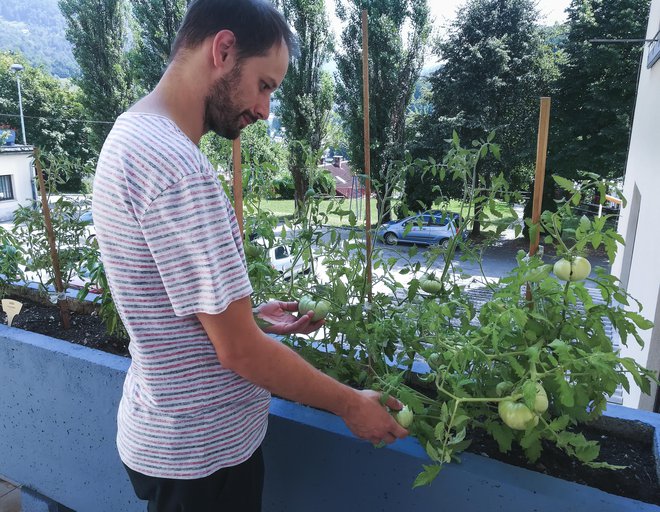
[
  {"x": 495, "y": 68},
  {"x": 97, "y": 31},
  {"x": 157, "y": 22},
  {"x": 307, "y": 93},
  {"x": 258, "y": 151},
  {"x": 398, "y": 32},
  {"x": 54, "y": 115},
  {"x": 592, "y": 112}
]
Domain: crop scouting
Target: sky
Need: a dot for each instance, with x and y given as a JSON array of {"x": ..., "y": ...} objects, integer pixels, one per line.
[{"x": 551, "y": 10}]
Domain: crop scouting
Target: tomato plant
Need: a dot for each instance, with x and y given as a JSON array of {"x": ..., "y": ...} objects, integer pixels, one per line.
[{"x": 527, "y": 366}]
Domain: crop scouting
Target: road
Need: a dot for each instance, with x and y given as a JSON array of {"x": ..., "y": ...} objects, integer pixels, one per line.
[{"x": 496, "y": 261}]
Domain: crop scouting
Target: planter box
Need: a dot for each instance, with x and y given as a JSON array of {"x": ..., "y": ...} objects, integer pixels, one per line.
[{"x": 58, "y": 405}]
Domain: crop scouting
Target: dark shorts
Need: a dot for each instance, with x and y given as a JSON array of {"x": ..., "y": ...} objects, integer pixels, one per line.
[{"x": 237, "y": 488}]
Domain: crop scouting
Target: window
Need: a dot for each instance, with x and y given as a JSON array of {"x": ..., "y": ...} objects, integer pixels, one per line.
[
  {"x": 281, "y": 252},
  {"x": 6, "y": 190}
]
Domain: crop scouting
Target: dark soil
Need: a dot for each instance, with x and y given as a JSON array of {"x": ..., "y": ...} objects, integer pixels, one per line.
[{"x": 638, "y": 481}]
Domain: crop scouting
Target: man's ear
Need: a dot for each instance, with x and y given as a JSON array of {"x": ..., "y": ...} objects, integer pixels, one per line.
[{"x": 224, "y": 49}]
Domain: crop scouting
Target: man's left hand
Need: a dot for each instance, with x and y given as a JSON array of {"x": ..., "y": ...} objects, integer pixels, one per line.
[{"x": 275, "y": 317}]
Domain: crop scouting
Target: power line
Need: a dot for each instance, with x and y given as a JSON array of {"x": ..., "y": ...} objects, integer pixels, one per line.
[{"x": 59, "y": 120}]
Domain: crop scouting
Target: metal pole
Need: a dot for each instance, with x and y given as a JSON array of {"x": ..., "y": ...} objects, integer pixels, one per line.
[
  {"x": 367, "y": 149},
  {"x": 17, "y": 68},
  {"x": 20, "y": 107}
]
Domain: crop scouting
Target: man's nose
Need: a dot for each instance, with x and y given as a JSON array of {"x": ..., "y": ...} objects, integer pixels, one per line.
[{"x": 263, "y": 108}]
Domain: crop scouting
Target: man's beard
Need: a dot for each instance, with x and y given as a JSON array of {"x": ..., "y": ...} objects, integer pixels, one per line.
[{"x": 221, "y": 114}]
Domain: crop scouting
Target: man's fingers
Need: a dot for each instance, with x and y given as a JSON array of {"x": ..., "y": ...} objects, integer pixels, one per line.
[
  {"x": 289, "y": 306},
  {"x": 393, "y": 404}
]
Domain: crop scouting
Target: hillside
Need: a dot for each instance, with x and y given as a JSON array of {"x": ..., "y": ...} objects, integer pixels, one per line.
[{"x": 37, "y": 30}]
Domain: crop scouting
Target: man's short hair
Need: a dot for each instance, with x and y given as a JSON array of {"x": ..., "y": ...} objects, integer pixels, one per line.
[{"x": 256, "y": 24}]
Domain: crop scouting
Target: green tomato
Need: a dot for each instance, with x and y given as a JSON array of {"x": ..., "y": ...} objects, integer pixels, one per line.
[
  {"x": 251, "y": 250},
  {"x": 404, "y": 417},
  {"x": 434, "y": 360},
  {"x": 430, "y": 284},
  {"x": 320, "y": 307},
  {"x": 541, "y": 400},
  {"x": 516, "y": 415},
  {"x": 575, "y": 270}
]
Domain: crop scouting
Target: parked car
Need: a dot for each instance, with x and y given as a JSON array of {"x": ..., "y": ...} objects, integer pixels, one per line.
[
  {"x": 430, "y": 228},
  {"x": 281, "y": 256}
]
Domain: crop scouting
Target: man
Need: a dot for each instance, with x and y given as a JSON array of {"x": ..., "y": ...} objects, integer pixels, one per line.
[{"x": 195, "y": 402}]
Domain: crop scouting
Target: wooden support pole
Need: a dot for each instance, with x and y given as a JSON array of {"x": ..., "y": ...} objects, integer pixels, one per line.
[
  {"x": 238, "y": 182},
  {"x": 367, "y": 149},
  {"x": 539, "y": 178},
  {"x": 541, "y": 154},
  {"x": 55, "y": 260}
]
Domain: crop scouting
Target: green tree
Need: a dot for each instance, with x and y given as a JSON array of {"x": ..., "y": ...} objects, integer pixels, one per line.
[
  {"x": 398, "y": 32},
  {"x": 97, "y": 29},
  {"x": 593, "y": 109},
  {"x": 495, "y": 67},
  {"x": 157, "y": 22},
  {"x": 258, "y": 151},
  {"x": 54, "y": 115},
  {"x": 307, "y": 93}
]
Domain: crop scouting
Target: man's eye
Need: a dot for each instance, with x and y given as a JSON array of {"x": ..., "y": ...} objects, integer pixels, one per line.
[{"x": 264, "y": 86}]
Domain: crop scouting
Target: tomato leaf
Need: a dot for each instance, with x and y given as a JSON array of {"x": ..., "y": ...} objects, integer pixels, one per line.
[{"x": 427, "y": 476}]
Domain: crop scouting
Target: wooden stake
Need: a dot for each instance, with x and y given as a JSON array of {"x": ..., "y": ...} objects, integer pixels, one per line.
[
  {"x": 367, "y": 148},
  {"x": 539, "y": 178},
  {"x": 238, "y": 182},
  {"x": 59, "y": 286},
  {"x": 541, "y": 154}
]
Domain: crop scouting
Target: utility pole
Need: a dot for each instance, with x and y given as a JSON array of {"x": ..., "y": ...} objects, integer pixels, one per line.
[{"x": 17, "y": 68}]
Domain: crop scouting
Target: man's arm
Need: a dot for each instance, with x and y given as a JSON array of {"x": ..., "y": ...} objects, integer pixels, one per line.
[{"x": 242, "y": 347}]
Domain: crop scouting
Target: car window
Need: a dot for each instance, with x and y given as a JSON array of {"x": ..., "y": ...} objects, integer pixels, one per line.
[
  {"x": 281, "y": 252},
  {"x": 440, "y": 220}
]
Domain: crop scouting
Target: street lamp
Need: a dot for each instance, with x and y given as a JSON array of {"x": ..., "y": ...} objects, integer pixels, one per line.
[{"x": 17, "y": 68}]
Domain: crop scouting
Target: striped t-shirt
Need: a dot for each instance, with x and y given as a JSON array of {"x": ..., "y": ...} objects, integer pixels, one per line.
[{"x": 171, "y": 248}]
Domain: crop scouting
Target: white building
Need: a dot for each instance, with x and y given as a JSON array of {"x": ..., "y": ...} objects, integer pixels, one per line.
[
  {"x": 637, "y": 263},
  {"x": 16, "y": 184}
]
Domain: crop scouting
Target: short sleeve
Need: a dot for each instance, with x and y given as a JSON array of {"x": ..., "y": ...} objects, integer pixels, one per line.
[{"x": 192, "y": 234}]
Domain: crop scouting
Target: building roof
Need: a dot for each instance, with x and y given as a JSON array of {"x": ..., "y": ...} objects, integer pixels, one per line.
[
  {"x": 16, "y": 149},
  {"x": 344, "y": 178}
]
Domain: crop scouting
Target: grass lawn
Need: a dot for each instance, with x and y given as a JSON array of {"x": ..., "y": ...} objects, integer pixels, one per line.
[{"x": 284, "y": 209}]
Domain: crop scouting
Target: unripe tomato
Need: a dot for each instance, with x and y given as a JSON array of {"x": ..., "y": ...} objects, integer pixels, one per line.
[
  {"x": 404, "y": 417},
  {"x": 575, "y": 270},
  {"x": 320, "y": 307},
  {"x": 430, "y": 284},
  {"x": 541, "y": 400},
  {"x": 516, "y": 415},
  {"x": 251, "y": 250}
]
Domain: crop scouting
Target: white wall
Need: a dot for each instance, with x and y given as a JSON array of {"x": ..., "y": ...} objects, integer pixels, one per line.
[
  {"x": 19, "y": 166},
  {"x": 637, "y": 263}
]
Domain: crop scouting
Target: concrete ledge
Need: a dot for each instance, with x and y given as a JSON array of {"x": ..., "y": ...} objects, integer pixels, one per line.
[{"x": 57, "y": 438}]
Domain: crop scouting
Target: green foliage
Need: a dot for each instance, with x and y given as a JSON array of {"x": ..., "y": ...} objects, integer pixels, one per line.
[
  {"x": 11, "y": 259},
  {"x": 535, "y": 331},
  {"x": 395, "y": 62},
  {"x": 593, "y": 107},
  {"x": 157, "y": 22},
  {"x": 495, "y": 65},
  {"x": 31, "y": 236},
  {"x": 51, "y": 108},
  {"x": 97, "y": 29},
  {"x": 307, "y": 93}
]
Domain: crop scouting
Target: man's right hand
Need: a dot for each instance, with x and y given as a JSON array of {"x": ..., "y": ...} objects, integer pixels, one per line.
[{"x": 368, "y": 419}]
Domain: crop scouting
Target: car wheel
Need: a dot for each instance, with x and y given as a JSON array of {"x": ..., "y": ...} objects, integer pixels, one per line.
[
  {"x": 444, "y": 244},
  {"x": 390, "y": 239}
]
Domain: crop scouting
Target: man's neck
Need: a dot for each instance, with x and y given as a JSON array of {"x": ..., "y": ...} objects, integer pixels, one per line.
[{"x": 176, "y": 98}]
